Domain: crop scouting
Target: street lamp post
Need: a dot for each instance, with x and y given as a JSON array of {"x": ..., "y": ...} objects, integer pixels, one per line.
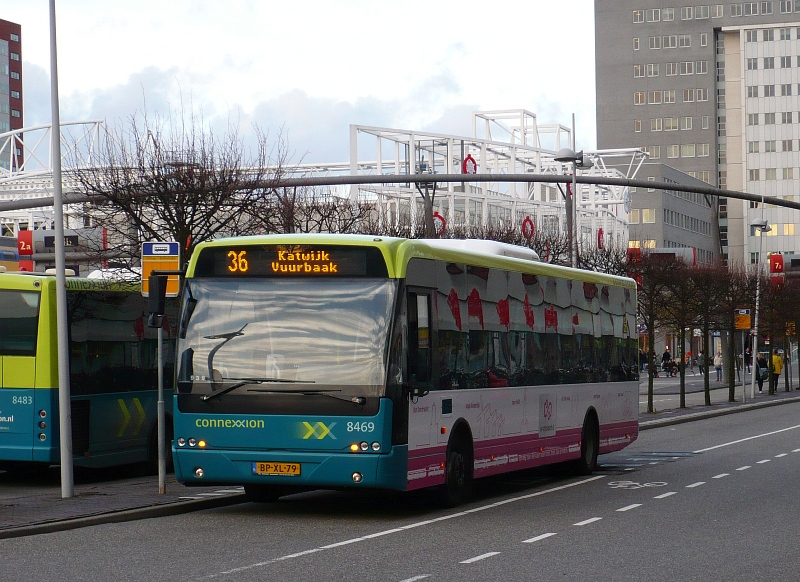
[
  {"x": 566, "y": 155},
  {"x": 763, "y": 226}
]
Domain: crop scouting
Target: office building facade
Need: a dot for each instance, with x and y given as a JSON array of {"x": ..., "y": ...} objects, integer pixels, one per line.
[
  {"x": 713, "y": 91},
  {"x": 10, "y": 78}
]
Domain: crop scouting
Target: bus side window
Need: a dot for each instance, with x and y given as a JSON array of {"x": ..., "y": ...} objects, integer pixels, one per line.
[{"x": 419, "y": 338}]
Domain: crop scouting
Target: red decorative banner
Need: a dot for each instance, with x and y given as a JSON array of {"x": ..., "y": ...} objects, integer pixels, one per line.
[
  {"x": 455, "y": 307},
  {"x": 475, "y": 306},
  {"x": 526, "y": 307}
]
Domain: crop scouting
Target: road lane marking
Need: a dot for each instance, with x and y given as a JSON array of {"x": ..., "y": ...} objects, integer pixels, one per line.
[
  {"x": 588, "y": 521},
  {"x": 538, "y": 538},
  {"x": 781, "y": 455},
  {"x": 762, "y": 461},
  {"x": 796, "y": 450},
  {"x": 758, "y": 436},
  {"x": 629, "y": 507},
  {"x": 720, "y": 476},
  {"x": 479, "y": 558},
  {"x": 401, "y": 528},
  {"x": 664, "y": 495},
  {"x": 743, "y": 468},
  {"x": 696, "y": 484},
  {"x": 415, "y": 578}
]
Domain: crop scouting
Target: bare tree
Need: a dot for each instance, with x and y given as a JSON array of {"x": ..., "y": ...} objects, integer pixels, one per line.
[
  {"x": 164, "y": 179},
  {"x": 735, "y": 291},
  {"x": 681, "y": 313}
]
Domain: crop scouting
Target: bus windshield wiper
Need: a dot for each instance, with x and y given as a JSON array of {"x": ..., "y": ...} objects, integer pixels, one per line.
[
  {"x": 244, "y": 381},
  {"x": 315, "y": 392}
]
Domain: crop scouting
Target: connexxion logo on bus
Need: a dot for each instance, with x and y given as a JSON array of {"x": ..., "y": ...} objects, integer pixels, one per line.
[{"x": 227, "y": 423}]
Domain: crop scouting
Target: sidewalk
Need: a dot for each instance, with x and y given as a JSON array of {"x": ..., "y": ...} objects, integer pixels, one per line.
[{"x": 34, "y": 506}]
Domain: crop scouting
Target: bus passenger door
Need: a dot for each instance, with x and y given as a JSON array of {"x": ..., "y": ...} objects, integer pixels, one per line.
[{"x": 420, "y": 342}]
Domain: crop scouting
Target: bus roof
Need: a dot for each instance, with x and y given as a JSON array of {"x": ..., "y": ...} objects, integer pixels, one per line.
[
  {"x": 398, "y": 251},
  {"x": 25, "y": 280}
]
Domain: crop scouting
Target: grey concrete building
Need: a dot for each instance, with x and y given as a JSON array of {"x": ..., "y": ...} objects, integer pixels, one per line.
[{"x": 711, "y": 90}]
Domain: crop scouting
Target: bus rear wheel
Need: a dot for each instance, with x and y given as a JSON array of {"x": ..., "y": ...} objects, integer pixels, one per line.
[
  {"x": 457, "y": 486},
  {"x": 263, "y": 493},
  {"x": 590, "y": 446}
]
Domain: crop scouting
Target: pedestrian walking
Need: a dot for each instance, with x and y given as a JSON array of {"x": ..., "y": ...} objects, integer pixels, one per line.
[
  {"x": 777, "y": 368},
  {"x": 748, "y": 359},
  {"x": 701, "y": 362},
  {"x": 761, "y": 371},
  {"x": 718, "y": 366}
]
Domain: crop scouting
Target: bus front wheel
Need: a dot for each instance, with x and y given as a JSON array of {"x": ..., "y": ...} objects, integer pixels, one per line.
[
  {"x": 590, "y": 446},
  {"x": 457, "y": 487}
]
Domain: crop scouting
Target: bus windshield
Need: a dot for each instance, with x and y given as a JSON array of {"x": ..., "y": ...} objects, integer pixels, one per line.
[{"x": 261, "y": 336}]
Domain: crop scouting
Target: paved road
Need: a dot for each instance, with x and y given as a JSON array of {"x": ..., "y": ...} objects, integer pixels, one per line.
[{"x": 712, "y": 499}]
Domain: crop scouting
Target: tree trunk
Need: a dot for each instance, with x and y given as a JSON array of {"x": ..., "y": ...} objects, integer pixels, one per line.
[
  {"x": 682, "y": 365},
  {"x": 706, "y": 386},
  {"x": 651, "y": 340}
]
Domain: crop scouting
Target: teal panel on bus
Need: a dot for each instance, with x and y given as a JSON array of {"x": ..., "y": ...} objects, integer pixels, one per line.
[{"x": 16, "y": 424}]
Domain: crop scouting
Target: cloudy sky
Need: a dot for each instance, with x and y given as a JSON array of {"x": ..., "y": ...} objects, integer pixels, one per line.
[{"x": 312, "y": 67}]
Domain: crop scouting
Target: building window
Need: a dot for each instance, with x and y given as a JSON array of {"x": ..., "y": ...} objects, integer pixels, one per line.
[
  {"x": 654, "y": 97},
  {"x": 722, "y": 154},
  {"x": 3, "y": 88},
  {"x": 687, "y": 150},
  {"x": 654, "y": 151},
  {"x": 769, "y": 62},
  {"x": 637, "y": 125},
  {"x": 769, "y": 90},
  {"x": 769, "y": 119},
  {"x": 687, "y": 13},
  {"x": 673, "y": 151},
  {"x": 701, "y": 12},
  {"x": 785, "y": 33},
  {"x": 14, "y": 37},
  {"x": 788, "y": 229},
  {"x": 653, "y": 15},
  {"x": 752, "y": 119},
  {"x": 669, "y": 96},
  {"x": 14, "y": 56},
  {"x": 752, "y": 64},
  {"x": 770, "y": 146},
  {"x": 752, "y": 147},
  {"x": 638, "y": 71},
  {"x": 717, "y": 11},
  {"x": 704, "y": 122},
  {"x": 667, "y": 14},
  {"x": 752, "y": 91},
  {"x": 749, "y": 8},
  {"x": 736, "y": 10},
  {"x": 638, "y": 16},
  {"x": 766, "y": 8},
  {"x": 672, "y": 69},
  {"x": 786, "y": 62},
  {"x": 655, "y": 124},
  {"x": 770, "y": 174},
  {"x": 703, "y": 39},
  {"x": 655, "y": 42},
  {"x": 687, "y": 68},
  {"x": 786, "y": 89},
  {"x": 4, "y": 108},
  {"x": 670, "y": 124},
  {"x": 639, "y": 98},
  {"x": 652, "y": 69},
  {"x": 670, "y": 41},
  {"x": 684, "y": 40},
  {"x": 701, "y": 67},
  {"x": 15, "y": 75},
  {"x": 751, "y": 36},
  {"x": 752, "y": 175},
  {"x": 15, "y": 113},
  {"x": 788, "y": 174},
  {"x": 633, "y": 216},
  {"x": 688, "y": 95},
  {"x": 636, "y": 44},
  {"x": 703, "y": 150},
  {"x": 15, "y": 94},
  {"x": 648, "y": 215},
  {"x": 787, "y": 117},
  {"x": 686, "y": 123},
  {"x": 785, "y": 6},
  {"x": 787, "y": 145}
]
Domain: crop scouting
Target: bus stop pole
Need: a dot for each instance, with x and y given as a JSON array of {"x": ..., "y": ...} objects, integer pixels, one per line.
[
  {"x": 64, "y": 400},
  {"x": 162, "y": 460},
  {"x": 744, "y": 371}
]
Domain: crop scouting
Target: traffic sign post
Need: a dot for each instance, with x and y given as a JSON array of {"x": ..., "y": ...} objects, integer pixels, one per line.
[
  {"x": 161, "y": 256},
  {"x": 742, "y": 317}
]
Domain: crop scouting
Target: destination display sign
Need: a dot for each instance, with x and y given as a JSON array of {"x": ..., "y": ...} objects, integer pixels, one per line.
[{"x": 281, "y": 261}]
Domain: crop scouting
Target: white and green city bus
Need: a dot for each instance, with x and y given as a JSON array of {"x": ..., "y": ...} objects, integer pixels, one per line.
[{"x": 332, "y": 361}]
